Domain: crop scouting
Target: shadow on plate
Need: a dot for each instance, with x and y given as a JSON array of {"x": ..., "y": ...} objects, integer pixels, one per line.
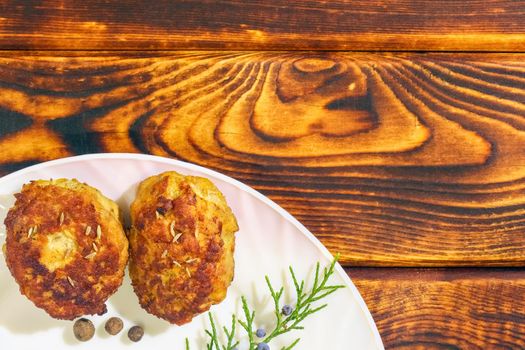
[
  {"x": 126, "y": 304},
  {"x": 18, "y": 314},
  {"x": 124, "y": 202},
  {"x": 124, "y": 301}
]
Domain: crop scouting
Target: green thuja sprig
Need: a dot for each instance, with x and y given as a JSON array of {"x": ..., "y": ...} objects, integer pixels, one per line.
[{"x": 287, "y": 318}]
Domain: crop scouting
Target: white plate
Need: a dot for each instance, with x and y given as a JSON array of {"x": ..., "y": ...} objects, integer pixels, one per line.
[{"x": 269, "y": 240}]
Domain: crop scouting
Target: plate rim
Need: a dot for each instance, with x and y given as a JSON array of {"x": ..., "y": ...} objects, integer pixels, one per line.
[{"x": 238, "y": 184}]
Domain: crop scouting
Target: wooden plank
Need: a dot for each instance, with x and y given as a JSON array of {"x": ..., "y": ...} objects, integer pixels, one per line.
[
  {"x": 469, "y": 25},
  {"x": 400, "y": 160},
  {"x": 445, "y": 308}
]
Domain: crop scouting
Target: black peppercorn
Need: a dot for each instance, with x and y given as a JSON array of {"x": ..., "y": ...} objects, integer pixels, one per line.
[
  {"x": 114, "y": 325},
  {"x": 135, "y": 333},
  {"x": 83, "y": 329}
]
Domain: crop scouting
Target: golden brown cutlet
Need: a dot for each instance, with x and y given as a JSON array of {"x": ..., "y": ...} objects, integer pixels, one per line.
[
  {"x": 65, "y": 247},
  {"x": 181, "y": 246}
]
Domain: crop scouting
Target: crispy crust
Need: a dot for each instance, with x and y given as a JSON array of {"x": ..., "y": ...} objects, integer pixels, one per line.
[
  {"x": 181, "y": 246},
  {"x": 50, "y": 264}
]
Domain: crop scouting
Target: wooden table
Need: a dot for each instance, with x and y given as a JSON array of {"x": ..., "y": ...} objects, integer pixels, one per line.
[{"x": 394, "y": 130}]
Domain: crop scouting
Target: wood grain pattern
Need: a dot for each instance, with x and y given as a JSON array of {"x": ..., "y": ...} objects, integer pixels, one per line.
[
  {"x": 445, "y": 308},
  {"x": 415, "y": 25},
  {"x": 389, "y": 159}
]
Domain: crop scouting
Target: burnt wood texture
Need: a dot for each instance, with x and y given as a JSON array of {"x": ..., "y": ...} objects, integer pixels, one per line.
[
  {"x": 437, "y": 309},
  {"x": 398, "y": 160},
  {"x": 394, "y": 25},
  {"x": 409, "y": 163}
]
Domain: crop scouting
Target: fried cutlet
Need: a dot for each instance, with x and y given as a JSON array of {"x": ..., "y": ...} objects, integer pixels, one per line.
[
  {"x": 65, "y": 247},
  {"x": 181, "y": 246}
]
